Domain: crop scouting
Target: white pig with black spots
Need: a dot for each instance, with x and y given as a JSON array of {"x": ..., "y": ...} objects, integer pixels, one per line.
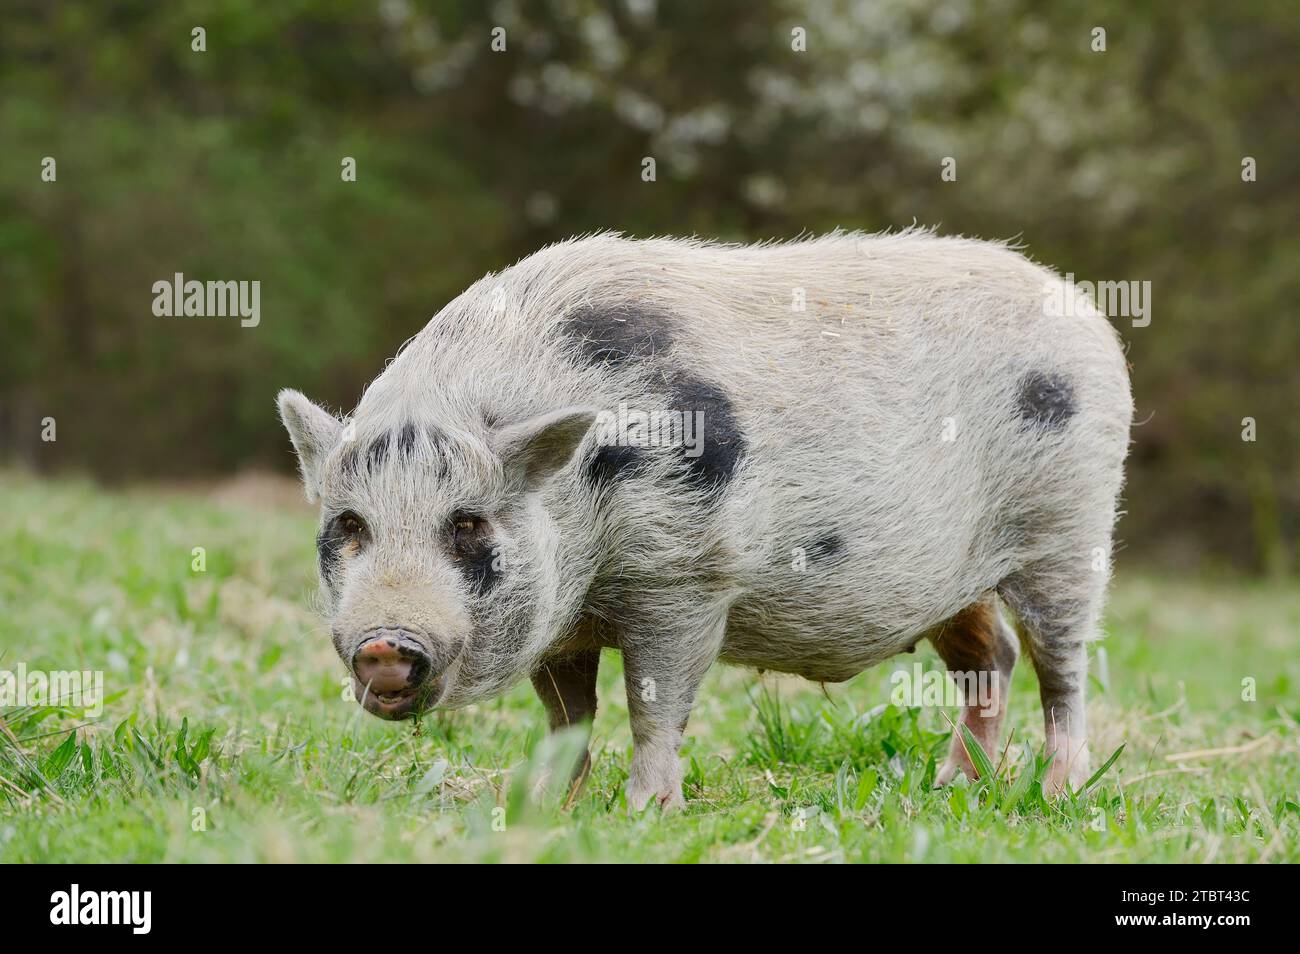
[{"x": 900, "y": 435}]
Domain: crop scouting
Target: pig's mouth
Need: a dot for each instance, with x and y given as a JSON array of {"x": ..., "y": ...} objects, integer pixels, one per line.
[
  {"x": 395, "y": 677},
  {"x": 397, "y": 704}
]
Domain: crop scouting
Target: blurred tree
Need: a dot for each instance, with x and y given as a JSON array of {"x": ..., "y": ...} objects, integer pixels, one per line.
[{"x": 1115, "y": 165}]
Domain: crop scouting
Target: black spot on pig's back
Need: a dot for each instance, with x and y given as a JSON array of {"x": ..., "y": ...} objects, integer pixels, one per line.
[
  {"x": 632, "y": 336},
  {"x": 1045, "y": 399},
  {"x": 720, "y": 442},
  {"x": 612, "y": 462},
  {"x": 614, "y": 335},
  {"x": 705, "y": 412}
]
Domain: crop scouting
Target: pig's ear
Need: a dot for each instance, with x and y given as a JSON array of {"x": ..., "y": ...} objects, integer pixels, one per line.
[
  {"x": 314, "y": 432},
  {"x": 535, "y": 449}
]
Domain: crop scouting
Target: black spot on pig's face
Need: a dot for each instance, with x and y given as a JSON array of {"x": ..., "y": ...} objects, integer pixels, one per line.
[
  {"x": 1045, "y": 399},
  {"x": 474, "y": 550},
  {"x": 613, "y": 335},
  {"x": 406, "y": 439},
  {"x": 720, "y": 442},
  {"x": 377, "y": 453},
  {"x": 405, "y": 444},
  {"x": 348, "y": 462},
  {"x": 341, "y": 535}
]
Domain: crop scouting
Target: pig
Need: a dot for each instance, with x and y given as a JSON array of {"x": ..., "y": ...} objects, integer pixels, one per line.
[{"x": 803, "y": 457}]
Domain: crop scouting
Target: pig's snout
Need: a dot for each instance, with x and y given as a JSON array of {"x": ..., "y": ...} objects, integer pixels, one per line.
[
  {"x": 392, "y": 672},
  {"x": 390, "y": 661}
]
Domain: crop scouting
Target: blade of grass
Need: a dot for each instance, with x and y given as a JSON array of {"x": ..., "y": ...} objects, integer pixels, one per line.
[
  {"x": 978, "y": 757},
  {"x": 1096, "y": 776}
]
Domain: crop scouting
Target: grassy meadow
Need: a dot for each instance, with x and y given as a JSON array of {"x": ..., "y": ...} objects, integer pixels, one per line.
[{"x": 227, "y": 733}]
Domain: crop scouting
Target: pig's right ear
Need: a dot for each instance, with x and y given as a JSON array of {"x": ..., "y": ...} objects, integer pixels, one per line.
[{"x": 314, "y": 432}]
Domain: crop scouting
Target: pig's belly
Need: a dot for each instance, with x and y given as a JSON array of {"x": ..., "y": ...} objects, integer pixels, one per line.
[{"x": 817, "y": 648}]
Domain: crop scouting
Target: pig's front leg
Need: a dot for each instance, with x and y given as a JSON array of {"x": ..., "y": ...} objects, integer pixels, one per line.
[
  {"x": 662, "y": 674},
  {"x": 567, "y": 687},
  {"x": 659, "y": 703}
]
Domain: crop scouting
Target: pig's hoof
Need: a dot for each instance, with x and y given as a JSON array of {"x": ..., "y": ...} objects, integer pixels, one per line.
[
  {"x": 665, "y": 791},
  {"x": 654, "y": 780},
  {"x": 952, "y": 768},
  {"x": 638, "y": 798},
  {"x": 1069, "y": 767}
]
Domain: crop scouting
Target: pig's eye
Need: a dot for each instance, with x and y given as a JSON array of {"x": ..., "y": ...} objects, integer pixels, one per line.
[
  {"x": 349, "y": 524},
  {"x": 467, "y": 532}
]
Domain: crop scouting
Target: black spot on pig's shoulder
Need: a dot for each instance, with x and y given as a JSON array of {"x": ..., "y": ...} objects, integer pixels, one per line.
[
  {"x": 1045, "y": 399},
  {"x": 827, "y": 549},
  {"x": 614, "y": 462},
  {"x": 719, "y": 442},
  {"x": 616, "y": 334}
]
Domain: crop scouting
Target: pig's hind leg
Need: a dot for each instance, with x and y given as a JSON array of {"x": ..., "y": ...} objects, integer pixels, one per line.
[
  {"x": 979, "y": 650},
  {"x": 567, "y": 687},
  {"x": 1058, "y": 608}
]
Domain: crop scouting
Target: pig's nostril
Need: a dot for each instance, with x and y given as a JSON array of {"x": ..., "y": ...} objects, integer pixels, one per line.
[{"x": 390, "y": 664}]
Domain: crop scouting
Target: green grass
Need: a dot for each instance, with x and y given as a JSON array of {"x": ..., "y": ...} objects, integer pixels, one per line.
[{"x": 227, "y": 736}]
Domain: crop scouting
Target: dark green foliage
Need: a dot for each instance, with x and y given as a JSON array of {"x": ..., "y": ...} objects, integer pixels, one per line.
[{"x": 1122, "y": 165}]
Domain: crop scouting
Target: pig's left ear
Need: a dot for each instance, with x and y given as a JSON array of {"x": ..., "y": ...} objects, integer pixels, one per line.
[
  {"x": 314, "y": 432},
  {"x": 535, "y": 449}
]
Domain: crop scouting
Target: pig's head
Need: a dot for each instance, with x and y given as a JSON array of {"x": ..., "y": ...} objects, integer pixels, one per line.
[{"x": 440, "y": 562}]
